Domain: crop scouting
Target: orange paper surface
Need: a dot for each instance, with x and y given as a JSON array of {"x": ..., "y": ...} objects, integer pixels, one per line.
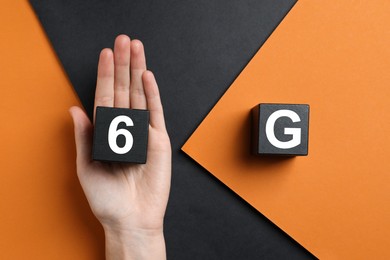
[
  {"x": 43, "y": 211},
  {"x": 335, "y": 56}
]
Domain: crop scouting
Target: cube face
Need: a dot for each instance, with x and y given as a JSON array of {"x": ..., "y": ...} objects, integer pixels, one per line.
[
  {"x": 120, "y": 135},
  {"x": 280, "y": 129}
]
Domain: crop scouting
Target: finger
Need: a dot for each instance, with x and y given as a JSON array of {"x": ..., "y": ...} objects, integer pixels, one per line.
[
  {"x": 153, "y": 100},
  {"x": 137, "y": 68},
  {"x": 104, "y": 94},
  {"x": 83, "y": 135},
  {"x": 122, "y": 71}
]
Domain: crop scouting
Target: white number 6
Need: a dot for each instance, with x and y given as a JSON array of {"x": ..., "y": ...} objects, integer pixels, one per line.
[{"x": 114, "y": 132}]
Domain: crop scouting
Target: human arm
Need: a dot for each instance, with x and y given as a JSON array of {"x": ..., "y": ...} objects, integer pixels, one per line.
[{"x": 129, "y": 200}]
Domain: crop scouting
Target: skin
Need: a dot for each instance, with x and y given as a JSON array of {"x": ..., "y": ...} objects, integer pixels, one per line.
[{"x": 129, "y": 200}]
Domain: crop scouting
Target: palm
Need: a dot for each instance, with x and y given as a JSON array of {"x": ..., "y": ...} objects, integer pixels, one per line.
[
  {"x": 123, "y": 191},
  {"x": 126, "y": 193}
]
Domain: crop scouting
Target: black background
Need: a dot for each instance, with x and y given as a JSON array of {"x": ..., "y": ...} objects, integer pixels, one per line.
[{"x": 196, "y": 49}]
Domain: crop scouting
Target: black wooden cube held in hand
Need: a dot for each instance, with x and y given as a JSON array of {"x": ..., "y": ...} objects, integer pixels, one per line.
[
  {"x": 120, "y": 135},
  {"x": 280, "y": 129}
]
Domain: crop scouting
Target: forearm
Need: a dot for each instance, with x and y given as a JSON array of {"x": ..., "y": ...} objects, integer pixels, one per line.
[{"x": 123, "y": 245}]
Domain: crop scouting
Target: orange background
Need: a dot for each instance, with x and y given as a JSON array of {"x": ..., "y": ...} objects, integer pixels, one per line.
[
  {"x": 335, "y": 56},
  {"x": 43, "y": 211}
]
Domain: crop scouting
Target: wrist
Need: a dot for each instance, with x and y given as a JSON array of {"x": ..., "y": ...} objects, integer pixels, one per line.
[{"x": 124, "y": 243}]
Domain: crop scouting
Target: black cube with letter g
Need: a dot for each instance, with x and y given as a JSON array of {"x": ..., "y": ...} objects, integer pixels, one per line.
[
  {"x": 120, "y": 135},
  {"x": 280, "y": 129}
]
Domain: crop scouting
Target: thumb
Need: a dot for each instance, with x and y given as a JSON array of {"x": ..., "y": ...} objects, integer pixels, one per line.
[{"x": 83, "y": 135}]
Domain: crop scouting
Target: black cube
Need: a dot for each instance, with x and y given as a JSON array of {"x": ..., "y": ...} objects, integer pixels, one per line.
[
  {"x": 280, "y": 129},
  {"x": 120, "y": 135}
]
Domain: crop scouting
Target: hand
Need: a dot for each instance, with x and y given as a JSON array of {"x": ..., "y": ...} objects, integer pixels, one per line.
[{"x": 129, "y": 200}]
